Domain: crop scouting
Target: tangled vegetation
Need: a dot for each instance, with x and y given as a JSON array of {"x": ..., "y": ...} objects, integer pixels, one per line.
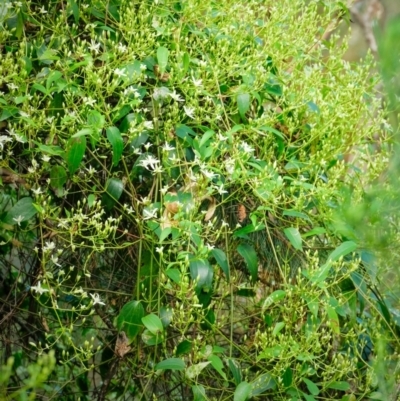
[{"x": 173, "y": 175}]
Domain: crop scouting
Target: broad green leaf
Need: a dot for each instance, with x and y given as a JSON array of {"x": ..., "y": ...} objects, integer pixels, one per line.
[
  {"x": 342, "y": 250},
  {"x": 151, "y": 339},
  {"x": 287, "y": 377},
  {"x": 115, "y": 138},
  {"x": 235, "y": 370},
  {"x": 58, "y": 177},
  {"x": 166, "y": 315},
  {"x": 222, "y": 261},
  {"x": 199, "y": 393},
  {"x": 202, "y": 273},
  {"x": 341, "y": 386},
  {"x": 295, "y": 213},
  {"x": 171, "y": 364},
  {"x": 276, "y": 296},
  {"x": 22, "y": 211},
  {"x": 153, "y": 323},
  {"x": 243, "y": 102},
  {"x": 333, "y": 319},
  {"x": 174, "y": 275},
  {"x": 242, "y": 392},
  {"x": 51, "y": 150},
  {"x": 114, "y": 188},
  {"x": 95, "y": 119},
  {"x": 271, "y": 352},
  {"x": 294, "y": 237},
  {"x": 130, "y": 319},
  {"x": 250, "y": 256},
  {"x": 278, "y": 327},
  {"x": 313, "y": 305},
  {"x": 162, "y": 58},
  {"x": 262, "y": 384},
  {"x": 75, "y": 151},
  {"x": 312, "y": 387},
  {"x": 183, "y": 348},
  {"x": 217, "y": 364}
]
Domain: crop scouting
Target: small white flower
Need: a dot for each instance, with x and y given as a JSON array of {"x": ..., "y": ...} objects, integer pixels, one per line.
[
  {"x": 4, "y": 139},
  {"x": 189, "y": 111},
  {"x": 208, "y": 174},
  {"x": 19, "y": 219},
  {"x": 210, "y": 247},
  {"x": 46, "y": 158},
  {"x": 88, "y": 101},
  {"x": 167, "y": 147},
  {"x": 12, "y": 86},
  {"x": 54, "y": 259},
  {"x": 197, "y": 82},
  {"x": 49, "y": 246},
  {"x": 121, "y": 48},
  {"x": 50, "y": 119},
  {"x": 96, "y": 299},
  {"x": 39, "y": 289},
  {"x": 246, "y": 147},
  {"x": 221, "y": 189},
  {"x": 37, "y": 191},
  {"x": 176, "y": 96},
  {"x": 221, "y": 138},
  {"x": 150, "y": 163},
  {"x": 94, "y": 47},
  {"x": 143, "y": 67},
  {"x": 149, "y": 213},
  {"x": 148, "y": 124},
  {"x": 43, "y": 10},
  {"x": 23, "y": 114},
  {"x": 159, "y": 249},
  {"x": 120, "y": 72}
]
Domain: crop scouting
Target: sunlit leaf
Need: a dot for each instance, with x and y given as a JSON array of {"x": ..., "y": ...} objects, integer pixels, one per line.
[
  {"x": 22, "y": 211},
  {"x": 162, "y": 58},
  {"x": 171, "y": 364},
  {"x": 294, "y": 237},
  {"x": 242, "y": 392},
  {"x": 129, "y": 319},
  {"x": 243, "y": 102},
  {"x": 153, "y": 323}
]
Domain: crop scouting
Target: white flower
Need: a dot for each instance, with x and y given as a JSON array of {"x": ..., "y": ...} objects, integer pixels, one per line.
[
  {"x": 43, "y": 10},
  {"x": 161, "y": 93},
  {"x": 12, "y": 86},
  {"x": 221, "y": 138},
  {"x": 150, "y": 163},
  {"x": 167, "y": 147},
  {"x": 120, "y": 72},
  {"x": 39, "y": 289},
  {"x": 197, "y": 82},
  {"x": 4, "y": 139},
  {"x": 121, "y": 48},
  {"x": 149, "y": 213},
  {"x": 208, "y": 174},
  {"x": 246, "y": 147},
  {"x": 221, "y": 189},
  {"x": 89, "y": 101},
  {"x": 159, "y": 249},
  {"x": 49, "y": 246},
  {"x": 96, "y": 299},
  {"x": 210, "y": 247},
  {"x": 46, "y": 158},
  {"x": 176, "y": 96},
  {"x": 143, "y": 67},
  {"x": 19, "y": 219},
  {"x": 54, "y": 259},
  {"x": 148, "y": 124},
  {"x": 23, "y": 114},
  {"x": 94, "y": 47},
  {"x": 189, "y": 111},
  {"x": 37, "y": 191}
]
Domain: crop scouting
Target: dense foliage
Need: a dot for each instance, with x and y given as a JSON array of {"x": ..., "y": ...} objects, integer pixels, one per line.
[{"x": 173, "y": 181}]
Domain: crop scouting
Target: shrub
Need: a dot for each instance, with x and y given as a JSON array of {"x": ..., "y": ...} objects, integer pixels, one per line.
[{"x": 171, "y": 175}]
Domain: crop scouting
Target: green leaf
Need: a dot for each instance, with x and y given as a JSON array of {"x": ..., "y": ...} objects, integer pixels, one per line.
[
  {"x": 153, "y": 323},
  {"x": 294, "y": 237},
  {"x": 185, "y": 63},
  {"x": 217, "y": 364},
  {"x": 199, "y": 393},
  {"x": 75, "y": 151},
  {"x": 222, "y": 261},
  {"x": 243, "y": 102},
  {"x": 250, "y": 256},
  {"x": 295, "y": 213},
  {"x": 202, "y": 272},
  {"x": 312, "y": 387},
  {"x": 276, "y": 296},
  {"x": 83, "y": 132},
  {"x": 183, "y": 348},
  {"x": 333, "y": 319},
  {"x": 171, "y": 364},
  {"x": 115, "y": 138},
  {"x": 162, "y": 58},
  {"x": 235, "y": 370},
  {"x": 130, "y": 319},
  {"x": 151, "y": 339},
  {"x": 262, "y": 384},
  {"x": 314, "y": 231},
  {"x": 278, "y": 327},
  {"x": 58, "y": 177},
  {"x": 341, "y": 386},
  {"x": 342, "y": 250},
  {"x": 22, "y": 211},
  {"x": 242, "y": 392},
  {"x": 194, "y": 370},
  {"x": 174, "y": 275},
  {"x": 114, "y": 188}
]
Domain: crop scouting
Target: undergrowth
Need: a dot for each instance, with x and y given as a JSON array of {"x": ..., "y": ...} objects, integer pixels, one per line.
[{"x": 172, "y": 173}]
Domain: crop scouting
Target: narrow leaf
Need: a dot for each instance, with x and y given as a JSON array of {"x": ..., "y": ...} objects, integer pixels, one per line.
[
  {"x": 115, "y": 138},
  {"x": 217, "y": 364},
  {"x": 222, "y": 261},
  {"x": 250, "y": 256},
  {"x": 294, "y": 237},
  {"x": 342, "y": 250},
  {"x": 171, "y": 364},
  {"x": 312, "y": 387},
  {"x": 162, "y": 58},
  {"x": 242, "y": 392},
  {"x": 75, "y": 151},
  {"x": 243, "y": 102}
]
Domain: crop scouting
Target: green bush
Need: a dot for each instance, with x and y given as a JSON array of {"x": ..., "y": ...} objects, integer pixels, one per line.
[{"x": 172, "y": 174}]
